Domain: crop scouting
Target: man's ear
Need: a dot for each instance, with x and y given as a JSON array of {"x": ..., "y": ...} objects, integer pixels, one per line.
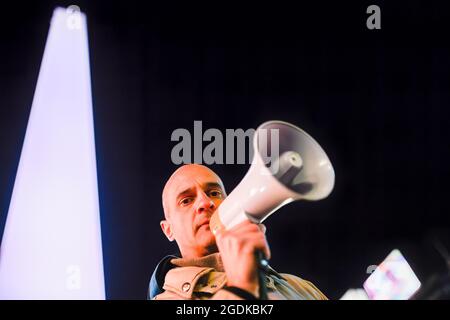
[{"x": 167, "y": 229}]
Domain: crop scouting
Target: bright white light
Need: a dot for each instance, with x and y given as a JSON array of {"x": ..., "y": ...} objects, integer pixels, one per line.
[
  {"x": 51, "y": 246},
  {"x": 393, "y": 279}
]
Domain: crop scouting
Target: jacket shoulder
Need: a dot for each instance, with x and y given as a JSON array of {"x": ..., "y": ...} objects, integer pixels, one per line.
[{"x": 304, "y": 286}]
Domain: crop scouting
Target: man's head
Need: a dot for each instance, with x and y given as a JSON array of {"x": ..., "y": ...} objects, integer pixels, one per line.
[{"x": 190, "y": 197}]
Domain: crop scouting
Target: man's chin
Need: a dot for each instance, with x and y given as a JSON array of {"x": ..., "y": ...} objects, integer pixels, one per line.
[{"x": 206, "y": 237}]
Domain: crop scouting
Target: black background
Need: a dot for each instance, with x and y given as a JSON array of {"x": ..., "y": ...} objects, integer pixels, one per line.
[{"x": 376, "y": 100}]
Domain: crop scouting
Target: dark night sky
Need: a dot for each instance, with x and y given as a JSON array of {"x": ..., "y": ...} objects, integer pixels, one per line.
[{"x": 377, "y": 101}]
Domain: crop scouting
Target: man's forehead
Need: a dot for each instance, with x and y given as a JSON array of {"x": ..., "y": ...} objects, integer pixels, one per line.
[
  {"x": 187, "y": 186},
  {"x": 188, "y": 177}
]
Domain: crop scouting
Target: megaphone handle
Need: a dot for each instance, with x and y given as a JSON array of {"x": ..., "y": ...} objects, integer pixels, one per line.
[{"x": 262, "y": 265}]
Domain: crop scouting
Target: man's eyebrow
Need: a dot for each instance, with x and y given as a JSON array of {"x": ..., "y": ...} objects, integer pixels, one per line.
[
  {"x": 182, "y": 193},
  {"x": 211, "y": 185},
  {"x": 207, "y": 185}
]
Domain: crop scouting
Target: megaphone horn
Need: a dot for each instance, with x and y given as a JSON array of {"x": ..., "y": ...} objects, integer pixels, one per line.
[{"x": 300, "y": 170}]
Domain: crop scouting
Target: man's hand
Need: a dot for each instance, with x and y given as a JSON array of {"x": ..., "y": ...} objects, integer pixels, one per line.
[{"x": 237, "y": 248}]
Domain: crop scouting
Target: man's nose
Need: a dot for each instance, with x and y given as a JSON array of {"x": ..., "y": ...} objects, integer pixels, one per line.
[{"x": 205, "y": 204}]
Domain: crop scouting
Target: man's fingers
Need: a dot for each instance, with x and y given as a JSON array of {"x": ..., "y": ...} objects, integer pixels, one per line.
[
  {"x": 251, "y": 235},
  {"x": 257, "y": 241},
  {"x": 264, "y": 247}
]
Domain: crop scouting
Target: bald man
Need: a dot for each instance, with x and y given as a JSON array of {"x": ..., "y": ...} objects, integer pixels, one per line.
[{"x": 219, "y": 267}]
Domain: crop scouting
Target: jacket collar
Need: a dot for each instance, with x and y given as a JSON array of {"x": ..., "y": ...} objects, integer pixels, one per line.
[
  {"x": 201, "y": 275},
  {"x": 210, "y": 261}
]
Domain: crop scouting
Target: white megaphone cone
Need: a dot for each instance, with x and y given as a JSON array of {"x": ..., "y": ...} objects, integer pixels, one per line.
[{"x": 296, "y": 169}]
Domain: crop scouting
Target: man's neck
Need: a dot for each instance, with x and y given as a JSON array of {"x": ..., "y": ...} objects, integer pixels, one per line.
[{"x": 195, "y": 253}]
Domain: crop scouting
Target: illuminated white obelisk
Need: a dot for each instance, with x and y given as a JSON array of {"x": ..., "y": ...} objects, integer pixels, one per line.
[{"x": 51, "y": 246}]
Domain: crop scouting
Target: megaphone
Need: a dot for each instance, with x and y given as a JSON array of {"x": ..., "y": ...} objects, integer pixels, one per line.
[{"x": 297, "y": 169}]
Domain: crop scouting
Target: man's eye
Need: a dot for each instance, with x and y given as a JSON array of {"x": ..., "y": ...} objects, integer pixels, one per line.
[
  {"x": 186, "y": 201},
  {"x": 215, "y": 194}
]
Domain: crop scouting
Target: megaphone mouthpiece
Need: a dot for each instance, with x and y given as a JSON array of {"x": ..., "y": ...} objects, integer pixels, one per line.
[{"x": 287, "y": 167}]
